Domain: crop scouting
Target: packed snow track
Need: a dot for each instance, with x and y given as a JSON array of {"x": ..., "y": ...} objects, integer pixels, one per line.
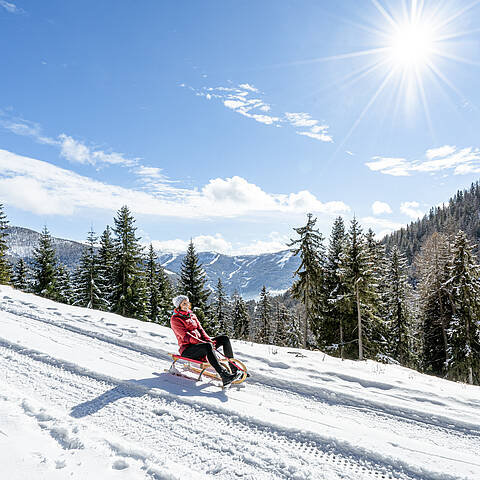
[{"x": 87, "y": 396}]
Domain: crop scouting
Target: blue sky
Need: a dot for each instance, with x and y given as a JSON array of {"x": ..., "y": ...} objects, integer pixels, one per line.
[{"x": 227, "y": 122}]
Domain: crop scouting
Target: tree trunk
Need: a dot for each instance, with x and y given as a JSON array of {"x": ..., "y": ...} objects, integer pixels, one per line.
[
  {"x": 359, "y": 315},
  {"x": 341, "y": 339},
  {"x": 306, "y": 322}
]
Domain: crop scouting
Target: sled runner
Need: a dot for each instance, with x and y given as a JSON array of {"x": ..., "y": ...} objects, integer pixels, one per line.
[{"x": 205, "y": 369}]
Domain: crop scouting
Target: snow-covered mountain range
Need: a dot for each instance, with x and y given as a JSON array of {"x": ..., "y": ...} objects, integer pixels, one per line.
[
  {"x": 86, "y": 395},
  {"x": 246, "y": 273}
]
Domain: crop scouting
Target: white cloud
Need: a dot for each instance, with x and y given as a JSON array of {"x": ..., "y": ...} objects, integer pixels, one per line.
[
  {"x": 233, "y": 104},
  {"x": 443, "y": 159},
  {"x": 440, "y": 152},
  {"x": 300, "y": 119},
  {"x": 74, "y": 151},
  {"x": 77, "y": 152},
  {"x": 380, "y": 207},
  {"x": 246, "y": 86},
  {"x": 389, "y": 166},
  {"x": 10, "y": 7},
  {"x": 411, "y": 209},
  {"x": 381, "y": 225},
  {"x": 203, "y": 243},
  {"x": 70, "y": 148},
  {"x": 317, "y": 136},
  {"x": 216, "y": 243},
  {"x": 64, "y": 192},
  {"x": 238, "y": 99}
]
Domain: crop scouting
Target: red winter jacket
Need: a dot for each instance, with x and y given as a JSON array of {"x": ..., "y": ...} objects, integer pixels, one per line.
[{"x": 187, "y": 329}]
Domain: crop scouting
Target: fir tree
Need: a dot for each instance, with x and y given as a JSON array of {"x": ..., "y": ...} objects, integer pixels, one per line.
[
  {"x": 221, "y": 311},
  {"x": 152, "y": 285},
  {"x": 264, "y": 317},
  {"x": 281, "y": 324},
  {"x": 464, "y": 330},
  {"x": 357, "y": 271},
  {"x": 240, "y": 317},
  {"x": 5, "y": 267},
  {"x": 64, "y": 286},
  {"x": 165, "y": 295},
  {"x": 397, "y": 310},
  {"x": 88, "y": 293},
  {"x": 106, "y": 270},
  {"x": 45, "y": 267},
  {"x": 192, "y": 283},
  {"x": 293, "y": 334},
  {"x": 21, "y": 276},
  {"x": 332, "y": 329},
  {"x": 129, "y": 292},
  {"x": 435, "y": 303},
  {"x": 307, "y": 288}
]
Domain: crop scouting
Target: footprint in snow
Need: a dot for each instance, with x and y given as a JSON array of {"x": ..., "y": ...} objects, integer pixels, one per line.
[
  {"x": 120, "y": 464},
  {"x": 277, "y": 364}
]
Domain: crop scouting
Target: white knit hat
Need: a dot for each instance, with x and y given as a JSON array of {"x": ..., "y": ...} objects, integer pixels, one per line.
[{"x": 178, "y": 300}]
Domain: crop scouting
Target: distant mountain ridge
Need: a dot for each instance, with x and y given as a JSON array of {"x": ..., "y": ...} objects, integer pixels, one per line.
[{"x": 245, "y": 273}]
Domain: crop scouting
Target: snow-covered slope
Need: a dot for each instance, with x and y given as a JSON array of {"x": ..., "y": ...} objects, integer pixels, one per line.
[{"x": 85, "y": 395}]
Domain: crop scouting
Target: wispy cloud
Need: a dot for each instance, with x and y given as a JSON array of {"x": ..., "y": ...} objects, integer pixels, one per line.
[
  {"x": 247, "y": 100},
  {"x": 443, "y": 159},
  {"x": 73, "y": 150},
  {"x": 380, "y": 207},
  {"x": 23, "y": 181},
  {"x": 10, "y": 7}
]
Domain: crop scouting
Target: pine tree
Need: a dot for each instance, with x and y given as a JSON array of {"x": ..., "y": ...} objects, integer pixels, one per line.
[
  {"x": 221, "y": 311},
  {"x": 307, "y": 288},
  {"x": 129, "y": 292},
  {"x": 264, "y": 317},
  {"x": 397, "y": 310},
  {"x": 435, "y": 304},
  {"x": 21, "y": 276},
  {"x": 64, "y": 286},
  {"x": 106, "y": 270},
  {"x": 240, "y": 317},
  {"x": 165, "y": 295},
  {"x": 357, "y": 271},
  {"x": 464, "y": 330},
  {"x": 192, "y": 283},
  {"x": 88, "y": 293},
  {"x": 294, "y": 335},
  {"x": 374, "y": 327},
  {"x": 281, "y": 324},
  {"x": 331, "y": 331},
  {"x": 5, "y": 267},
  {"x": 152, "y": 285},
  {"x": 45, "y": 267}
]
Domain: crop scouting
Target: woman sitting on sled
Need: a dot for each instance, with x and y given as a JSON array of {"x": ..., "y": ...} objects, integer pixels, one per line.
[{"x": 194, "y": 342}]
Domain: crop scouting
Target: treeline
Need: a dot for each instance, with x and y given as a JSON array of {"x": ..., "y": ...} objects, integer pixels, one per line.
[
  {"x": 114, "y": 274},
  {"x": 461, "y": 213},
  {"x": 362, "y": 300},
  {"x": 353, "y": 296}
]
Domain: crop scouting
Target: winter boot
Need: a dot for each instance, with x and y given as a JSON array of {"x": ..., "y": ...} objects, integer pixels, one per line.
[{"x": 227, "y": 378}]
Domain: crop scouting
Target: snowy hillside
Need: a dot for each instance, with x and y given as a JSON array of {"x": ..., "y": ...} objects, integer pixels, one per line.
[{"x": 85, "y": 395}]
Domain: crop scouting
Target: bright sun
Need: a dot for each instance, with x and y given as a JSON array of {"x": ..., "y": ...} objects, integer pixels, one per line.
[{"x": 411, "y": 46}]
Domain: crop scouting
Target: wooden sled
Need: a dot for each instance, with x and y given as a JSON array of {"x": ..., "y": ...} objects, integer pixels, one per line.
[{"x": 204, "y": 368}]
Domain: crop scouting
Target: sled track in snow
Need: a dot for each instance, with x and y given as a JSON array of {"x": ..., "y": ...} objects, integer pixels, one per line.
[
  {"x": 314, "y": 393},
  {"x": 138, "y": 411}
]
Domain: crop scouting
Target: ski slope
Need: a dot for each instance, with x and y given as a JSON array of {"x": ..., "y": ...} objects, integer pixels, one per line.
[{"x": 85, "y": 395}]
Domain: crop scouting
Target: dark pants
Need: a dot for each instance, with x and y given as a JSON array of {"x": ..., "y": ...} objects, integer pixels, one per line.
[{"x": 202, "y": 350}]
